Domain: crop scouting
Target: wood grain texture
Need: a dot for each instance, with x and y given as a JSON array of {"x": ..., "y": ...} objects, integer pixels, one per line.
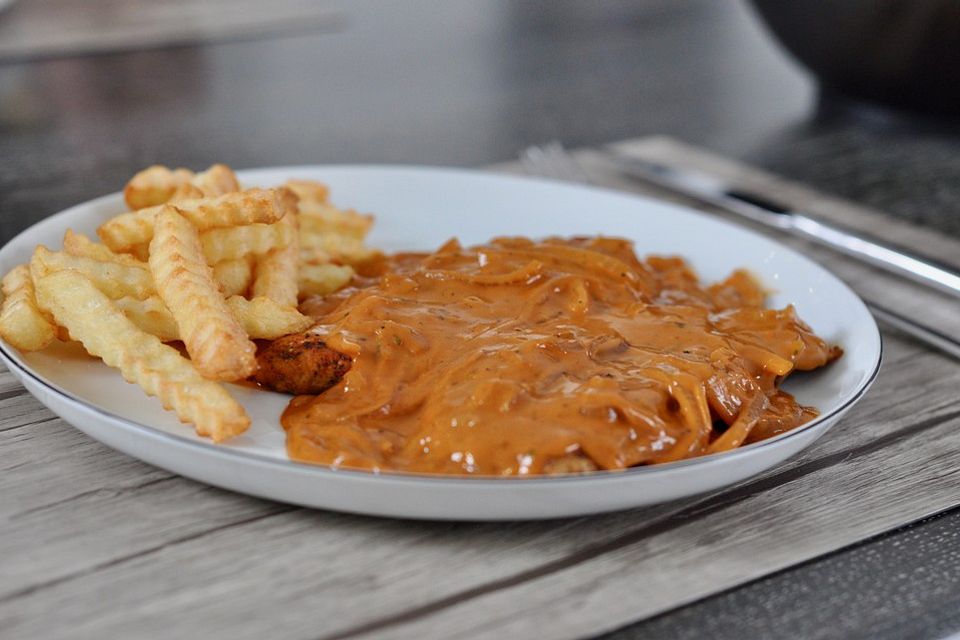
[{"x": 96, "y": 544}]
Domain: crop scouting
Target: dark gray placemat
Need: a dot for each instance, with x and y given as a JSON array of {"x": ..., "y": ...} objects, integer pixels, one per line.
[{"x": 905, "y": 585}]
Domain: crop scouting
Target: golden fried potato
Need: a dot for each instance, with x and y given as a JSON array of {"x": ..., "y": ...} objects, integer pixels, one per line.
[
  {"x": 238, "y": 208},
  {"x": 261, "y": 318},
  {"x": 160, "y": 370},
  {"x": 322, "y": 279},
  {"x": 337, "y": 248},
  {"x": 150, "y": 315},
  {"x": 329, "y": 234},
  {"x": 322, "y": 219},
  {"x": 266, "y": 319},
  {"x": 129, "y": 230},
  {"x": 230, "y": 243},
  {"x": 309, "y": 190},
  {"x": 291, "y": 201},
  {"x": 116, "y": 280},
  {"x": 218, "y": 180},
  {"x": 314, "y": 256},
  {"x": 154, "y": 185},
  {"x": 233, "y": 276},
  {"x": 186, "y": 191},
  {"x": 141, "y": 252},
  {"x": 276, "y": 271},
  {"x": 22, "y": 323},
  {"x": 215, "y": 340},
  {"x": 77, "y": 244}
]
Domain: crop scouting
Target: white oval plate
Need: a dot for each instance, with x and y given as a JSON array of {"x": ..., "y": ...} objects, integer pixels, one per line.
[{"x": 419, "y": 208}]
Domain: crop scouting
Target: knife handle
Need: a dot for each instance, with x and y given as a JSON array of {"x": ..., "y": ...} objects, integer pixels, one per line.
[
  {"x": 927, "y": 335},
  {"x": 896, "y": 260}
]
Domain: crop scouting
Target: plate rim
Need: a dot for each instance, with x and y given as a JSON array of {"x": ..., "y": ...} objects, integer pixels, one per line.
[{"x": 594, "y": 477}]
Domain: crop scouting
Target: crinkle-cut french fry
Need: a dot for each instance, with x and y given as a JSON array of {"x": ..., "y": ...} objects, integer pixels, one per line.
[
  {"x": 77, "y": 244},
  {"x": 339, "y": 248},
  {"x": 186, "y": 192},
  {"x": 314, "y": 255},
  {"x": 251, "y": 239},
  {"x": 331, "y": 240},
  {"x": 128, "y": 230},
  {"x": 216, "y": 181},
  {"x": 215, "y": 340},
  {"x": 154, "y": 185},
  {"x": 236, "y": 208},
  {"x": 233, "y": 276},
  {"x": 114, "y": 279},
  {"x": 141, "y": 252},
  {"x": 323, "y": 218},
  {"x": 276, "y": 271},
  {"x": 150, "y": 315},
  {"x": 160, "y": 370},
  {"x": 309, "y": 190},
  {"x": 261, "y": 318},
  {"x": 22, "y": 323},
  {"x": 323, "y": 279},
  {"x": 265, "y": 319},
  {"x": 290, "y": 200}
]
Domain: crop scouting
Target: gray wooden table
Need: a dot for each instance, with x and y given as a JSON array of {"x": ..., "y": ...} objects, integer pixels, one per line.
[
  {"x": 96, "y": 544},
  {"x": 470, "y": 82}
]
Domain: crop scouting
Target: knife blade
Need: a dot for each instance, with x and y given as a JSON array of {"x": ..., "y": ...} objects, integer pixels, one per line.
[{"x": 717, "y": 192}]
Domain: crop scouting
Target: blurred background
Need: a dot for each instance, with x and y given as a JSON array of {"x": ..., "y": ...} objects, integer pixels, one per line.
[{"x": 853, "y": 97}]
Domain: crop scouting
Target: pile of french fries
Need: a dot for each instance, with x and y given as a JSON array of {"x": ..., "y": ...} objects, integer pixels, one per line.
[{"x": 196, "y": 260}]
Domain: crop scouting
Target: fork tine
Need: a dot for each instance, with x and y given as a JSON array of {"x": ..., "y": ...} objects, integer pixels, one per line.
[
  {"x": 532, "y": 159},
  {"x": 554, "y": 156},
  {"x": 553, "y": 161}
]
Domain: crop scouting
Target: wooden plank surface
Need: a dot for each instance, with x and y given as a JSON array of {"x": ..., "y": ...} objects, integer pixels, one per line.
[{"x": 98, "y": 544}]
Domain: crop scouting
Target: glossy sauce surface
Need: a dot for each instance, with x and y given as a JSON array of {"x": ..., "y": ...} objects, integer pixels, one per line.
[{"x": 521, "y": 357}]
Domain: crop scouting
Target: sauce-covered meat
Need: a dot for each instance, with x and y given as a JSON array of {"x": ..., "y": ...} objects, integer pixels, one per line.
[
  {"x": 300, "y": 364},
  {"x": 521, "y": 357}
]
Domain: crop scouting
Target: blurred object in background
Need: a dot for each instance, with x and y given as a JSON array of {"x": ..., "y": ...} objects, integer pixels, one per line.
[
  {"x": 48, "y": 28},
  {"x": 901, "y": 53}
]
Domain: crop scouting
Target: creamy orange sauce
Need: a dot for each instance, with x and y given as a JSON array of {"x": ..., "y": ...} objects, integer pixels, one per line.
[{"x": 517, "y": 356}]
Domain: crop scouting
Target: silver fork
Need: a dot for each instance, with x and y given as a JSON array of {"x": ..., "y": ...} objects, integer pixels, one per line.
[{"x": 553, "y": 161}]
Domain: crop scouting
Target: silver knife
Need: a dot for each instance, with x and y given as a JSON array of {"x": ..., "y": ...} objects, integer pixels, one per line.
[{"x": 714, "y": 191}]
